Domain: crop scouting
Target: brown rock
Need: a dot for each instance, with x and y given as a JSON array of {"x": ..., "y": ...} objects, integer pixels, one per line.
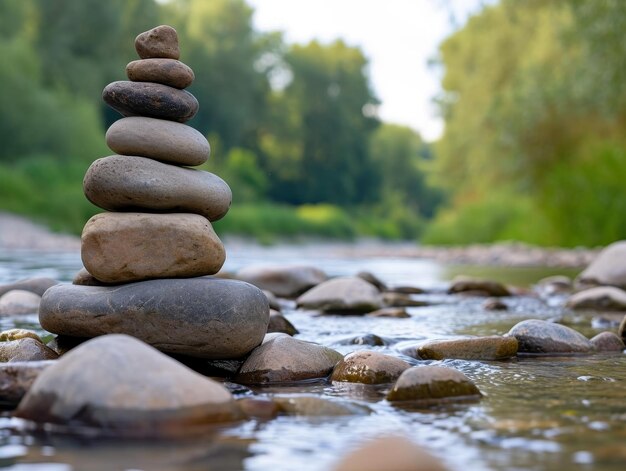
[
  {"x": 84, "y": 278},
  {"x": 17, "y": 377},
  {"x": 608, "y": 342},
  {"x": 37, "y": 285},
  {"x": 494, "y": 304},
  {"x": 153, "y": 100},
  {"x": 279, "y": 323},
  {"x": 123, "y": 247},
  {"x": 394, "y": 299},
  {"x": 605, "y": 298},
  {"x": 129, "y": 183},
  {"x": 315, "y": 406},
  {"x": 479, "y": 287},
  {"x": 19, "y": 301},
  {"x": 285, "y": 359},
  {"x": 392, "y": 453},
  {"x": 493, "y": 347},
  {"x": 432, "y": 384},
  {"x": 368, "y": 367},
  {"x": 165, "y": 71},
  {"x": 344, "y": 294},
  {"x": 159, "y": 42},
  {"x": 396, "y": 312},
  {"x": 608, "y": 268},
  {"x": 158, "y": 139},
  {"x": 25, "y": 349},
  {"x": 283, "y": 280}
]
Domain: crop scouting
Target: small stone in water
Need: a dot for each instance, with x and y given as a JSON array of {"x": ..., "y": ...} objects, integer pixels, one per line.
[
  {"x": 369, "y": 367},
  {"x": 279, "y": 323},
  {"x": 19, "y": 301},
  {"x": 608, "y": 342},
  {"x": 540, "y": 337},
  {"x": 37, "y": 285},
  {"x": 25, "y": 349},
  {"x": 492, "y": 347},
  {"x": 473, "y": 285},
  {"x": 342, "y": 295},
  {"x": 394, "y": 312}
]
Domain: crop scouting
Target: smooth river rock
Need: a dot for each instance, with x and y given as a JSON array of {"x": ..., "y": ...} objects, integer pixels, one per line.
[
  {"x": 131, "y": 183},
  {"x": 165, "y": 71},
  {"x": 432, "y": 384},
  {"x": 540, "y": 337},
  {"x": 286, "y": 281},
  {"x": 368, "y": 367},
  {"x": 608, "y": 268},
  {"x": 199, "y": 317},
  {"x": 349, "y": 294},
  {"x": 603, "y": 298},
  {"x": 25, "y": 349},
  {"x": 159, "y": 139},
  {"x": 150, "y": 99},
  {"x": 463, "y": 284},
  {"x": 17, "y": 334},
  {"x": 123, "y": 247},
  {"x": 16, "y": 378},
  {"x": 284, "y": 359},
  {"x": 123, "y": 386},
  {"x": 37, "y": 285},
  {"x": 279, "y": 323},
  {"x": 19, "y": 301},
  {"x": 159, "y": 42},
  {"x": 608, "y": 342},
  {"x": 493, "y": 347}
]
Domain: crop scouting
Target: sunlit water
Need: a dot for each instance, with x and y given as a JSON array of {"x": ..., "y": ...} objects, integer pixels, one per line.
[{"x": 553, "y": 413}]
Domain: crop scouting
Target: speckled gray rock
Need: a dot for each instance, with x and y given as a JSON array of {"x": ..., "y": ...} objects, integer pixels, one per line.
[
  {"x": 608, "y": 268},
  {"x": 161, "y": 41},
  {"x": 608, "y": 342},
  {"x": 37, "y": 285},
  {"x": 493, "y": 347},
  {"x": 285, "y": 281},
  {"x": 130, "y": 183},
  {"x": 124, "y": 386},
  {"x": 463, "y": 284},
  {"x": 199, "y": 317},
  {"x": 369, "y": 367},
  {"x": 344, "y": 294},
  {"x": 123, "y": 247},
  {"x": 17, "y": 377},
  {"x": 159, "y": 139},
  {"x": 432, "y": 384},
  {"x": 19, "y": 301},
  {"x": 604, "y": 298},
  {"x": 540, "y": 337},
  {"x": 25, "y": 349},
  {"x": 150, "y": 99},
  {"x": 165, "y": 71},
  {"x": 285, "y": 359}
]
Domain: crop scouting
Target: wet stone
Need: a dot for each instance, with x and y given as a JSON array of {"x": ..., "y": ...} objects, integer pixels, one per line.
[
  {"x": 394, "y": 299},
  {"x": 25, "y": 349},
  {"x": 130, "y": 183},
  {"x": 165, "y": 71},
  {"x": 608, "y": 268},
  {"x": 16, "y": 378},
  {"x": 37, "y": 285},
  {"x": 124, "y": 387},
  {"x": 492, "y": 347},
  {"x": 284, "y": 359},
  {"x": 540, "y": 337},
  {"x": 314, "y": 406},
  {"x": 158, "y": 139},
  {"x": 344, "y": 294},
  {"x": 604, "y": 298},
  {"x": 279, "y": 323},
  {"x": 159, "y": 42},
  {"x": 126, "y": 247},
  {"x": 19, "y": 301},
  {"x": 393, "y": 312},
  {"x": 198, "y": 317},
  {"x": 608, "y": 342},
  {"x": 369, "y": 367},
  {"x": 285, "y": 281},
  {"x": 152, "y": 100},
  {"x": 432, "y": 384},
  {"x": 479, "y": 287},
  {"x": 494, "y": 304},
  {"x": 17, "y": 334}
]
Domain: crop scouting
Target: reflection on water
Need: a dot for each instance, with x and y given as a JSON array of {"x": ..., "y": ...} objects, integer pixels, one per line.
[{"x": 551, "y": 413}]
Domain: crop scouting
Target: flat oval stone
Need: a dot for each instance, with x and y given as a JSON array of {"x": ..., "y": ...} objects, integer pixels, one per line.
[
  {"x": 463, "y": 284},
  {"x": 282, "y": 358},
  {"x": 159, "y": 139},
  {"x": 603, "y": 298},
  {"x": 279, "y": 323},
  {"x": 493, "y": 347},
  {"x": 199, "y": 317},
  {"x": 130, "y": 183},
  {"x": 161, "y": 41},
  {"x": 344, "y": 294},
  {"x": 166, "y": 71},
  {"x": 282, "y": 280},
  {"x": 608, "y": 268},
  {"x": 123, "y": 247},
  {"x": 34, "y": 285},
  {"x": 369, "y": 367},
  {"x": 123, "y": 386},
  {"x": 432, "y": 384},
  {"x": 150, "y": 99},
  {"x": 540, "y": 337}
]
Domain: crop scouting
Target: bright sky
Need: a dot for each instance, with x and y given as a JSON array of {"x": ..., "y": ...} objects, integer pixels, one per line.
[{"x": 398, "y": 37}]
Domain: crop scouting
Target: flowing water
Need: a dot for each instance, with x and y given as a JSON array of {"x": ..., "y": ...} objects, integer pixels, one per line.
[{"x": 550, "y": 413}]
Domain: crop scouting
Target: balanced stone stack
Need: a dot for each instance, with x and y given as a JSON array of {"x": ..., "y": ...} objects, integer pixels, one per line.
[{"x": 151, "y": 251}]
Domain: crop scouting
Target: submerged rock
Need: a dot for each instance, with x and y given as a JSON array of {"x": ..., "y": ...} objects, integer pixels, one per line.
[
  {"x": 286, "y": 281},
  {"x": 345, "y": 294},
  {"x": 19, "y": 301},
  {"x": 476, "y": 286},
  {"x": 123, "y": 386},
  {"x": 395, "y": 312},
  {"x": 25, "y": 349},
  {"x": 200, "y": 317},
  {"x": 16, "y": 378},
  {"x": 604, "y": 298},
  {"x": 315, "y": 406},
  {"x": 369, "y": 367},
  {"x": 608, "y": 268},
  {"x": 608, "y": 342},
  {"x": 494, "y": 304},
  {"x": 395, "y": 299},
  {"x": 285, "y": 359},
  {"x": 392, "y": 453},
  {"x": 432, "y": 384},
  {"x": 279, "y": 323},
  {"x": 540, "y": 337},
  {"x": 493, "y": 347}
]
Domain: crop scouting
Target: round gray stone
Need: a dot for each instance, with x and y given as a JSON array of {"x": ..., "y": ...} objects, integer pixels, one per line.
[
  {"x": 123, "y": 247},
  {"x": 159, "y": 139},
  {"x": 344, "y": 294},
  {"x": 165, "y": 71},
  {"x": 150, "y": 99},
  {"x": 604, "y": 298},
  {"x": 37, "y": 285},
  {"x": 130, "y": 183},
  {"x": 19, "y": 301},
  {"x": 25, "y": 349},
  {"x": 608, "y": 268},
  {"x": 199, "y": 317},
  {"x": 282, "y": 280},
  {"x": 538, "y": 337}
]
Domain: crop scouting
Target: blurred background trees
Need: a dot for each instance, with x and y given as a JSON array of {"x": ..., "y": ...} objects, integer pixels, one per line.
[{"x": 533, "y": 98}]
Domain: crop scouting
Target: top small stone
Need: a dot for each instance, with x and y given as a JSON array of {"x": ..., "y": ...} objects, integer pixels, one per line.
[{"x": 159, "y": 42}]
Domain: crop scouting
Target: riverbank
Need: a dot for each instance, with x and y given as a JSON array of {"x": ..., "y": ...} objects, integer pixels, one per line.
[{"x": 18, "y": 233}]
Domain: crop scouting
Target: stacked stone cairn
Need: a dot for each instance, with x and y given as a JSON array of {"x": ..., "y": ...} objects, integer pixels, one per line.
[{"x": 149, "y": 255}]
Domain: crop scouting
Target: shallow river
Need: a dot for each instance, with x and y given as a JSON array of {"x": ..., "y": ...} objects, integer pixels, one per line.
[{"x": 552, "y": 413}]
